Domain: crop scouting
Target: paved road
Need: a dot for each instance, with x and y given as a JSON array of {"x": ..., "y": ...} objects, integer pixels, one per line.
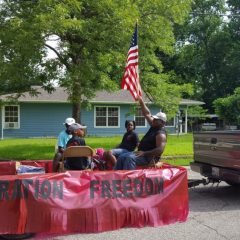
[{"x": 214, "y": 215}]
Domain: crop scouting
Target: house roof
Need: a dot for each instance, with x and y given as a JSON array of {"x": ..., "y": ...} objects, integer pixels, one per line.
[
  {"x": 190, "y": 102},
  {"x": 60, "y": 95}
]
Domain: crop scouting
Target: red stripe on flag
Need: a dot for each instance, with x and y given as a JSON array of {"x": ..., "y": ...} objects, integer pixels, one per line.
[{"x": 130, "y": 80}]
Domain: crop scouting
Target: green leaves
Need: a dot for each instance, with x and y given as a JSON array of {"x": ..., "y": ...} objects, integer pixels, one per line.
[
  {"x": 208, "y": 50},
  {"x": 228, "y": 108},
  {"x": 92, "y": 40}
]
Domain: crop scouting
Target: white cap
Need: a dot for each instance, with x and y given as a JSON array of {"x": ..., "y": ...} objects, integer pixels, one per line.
[
  {"x": 69, "y": 121},
  {"x": 161, "y": 115}
]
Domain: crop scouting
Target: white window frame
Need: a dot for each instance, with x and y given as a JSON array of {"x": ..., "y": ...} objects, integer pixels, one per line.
[
  {"x": 3, "y": 115},
  {"x": 145, "y": 121},
  {"x": 95, "y": 115}
]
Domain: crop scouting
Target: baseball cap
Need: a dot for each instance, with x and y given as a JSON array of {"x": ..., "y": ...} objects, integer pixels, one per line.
[
  {"x": 69, "y": 121},
  {"x": 161, "y": 115},
  {"x": 75, "y": 126}
]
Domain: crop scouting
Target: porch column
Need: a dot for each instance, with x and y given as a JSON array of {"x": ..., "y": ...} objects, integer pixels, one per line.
[{"x": 186, "y": 120}]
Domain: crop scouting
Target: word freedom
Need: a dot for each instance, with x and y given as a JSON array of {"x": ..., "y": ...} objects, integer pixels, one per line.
[
  {"x": 126, "y": 188},
  {"x": 40, "y": 189}
]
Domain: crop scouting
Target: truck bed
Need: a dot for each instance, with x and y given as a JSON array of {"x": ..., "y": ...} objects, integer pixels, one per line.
[
  {"x": 218, "y": 148},
  {"x": 217, "y": 155}
]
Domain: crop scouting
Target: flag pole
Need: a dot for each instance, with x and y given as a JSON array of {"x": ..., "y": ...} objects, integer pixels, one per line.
[{"x": 138, "y": 81}]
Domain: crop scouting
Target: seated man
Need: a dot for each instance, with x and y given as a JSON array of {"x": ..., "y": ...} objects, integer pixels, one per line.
[
  {"x": 63, "y": 138},
  {"x": 77, "y": 163},
  {"x": 129, "y": 142},
  {"x": 152, "y": 144}
]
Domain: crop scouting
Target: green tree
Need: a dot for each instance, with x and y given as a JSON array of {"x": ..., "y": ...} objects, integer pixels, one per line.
[
  {"x": 207, "y": 50},
  {"x": 228, "y": 108},
  {"x": 196, "y": 113},
  {"x": 199, "y": 56},
  {"x": 91, "y": 41}
]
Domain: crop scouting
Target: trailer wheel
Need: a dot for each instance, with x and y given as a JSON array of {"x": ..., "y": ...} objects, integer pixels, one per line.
[{"x": 17, "y": 236}]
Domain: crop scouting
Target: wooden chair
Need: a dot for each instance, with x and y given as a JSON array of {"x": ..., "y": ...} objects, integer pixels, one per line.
[{"x": 76, "y": 151}]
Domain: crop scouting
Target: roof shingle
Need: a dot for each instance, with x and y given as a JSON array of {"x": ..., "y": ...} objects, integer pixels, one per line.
[{"x": 60, "y": 95}]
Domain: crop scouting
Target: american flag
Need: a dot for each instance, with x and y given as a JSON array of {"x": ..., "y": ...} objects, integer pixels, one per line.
[{"x": 130, "y": 80}]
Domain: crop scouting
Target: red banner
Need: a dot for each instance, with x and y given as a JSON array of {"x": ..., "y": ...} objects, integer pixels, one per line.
[
  {"x": 87, "y": 201},
  {"x": 7, "y": 168}
]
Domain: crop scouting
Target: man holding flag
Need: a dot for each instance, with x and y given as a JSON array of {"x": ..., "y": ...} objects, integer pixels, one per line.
[{"x": 153, "y": 143}]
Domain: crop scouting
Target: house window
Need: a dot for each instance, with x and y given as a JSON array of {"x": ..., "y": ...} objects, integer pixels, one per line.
[
  {"x": 11, "y": 117},
  {"x": 106, "y": 116},
  {"x": 139, "y": 118}
]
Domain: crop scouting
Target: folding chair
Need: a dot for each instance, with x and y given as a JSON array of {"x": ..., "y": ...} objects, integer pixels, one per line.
[{"x": 76, "y": 151}]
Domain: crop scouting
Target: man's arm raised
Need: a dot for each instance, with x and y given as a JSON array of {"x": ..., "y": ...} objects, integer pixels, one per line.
[{"x": 146, "y": 112}]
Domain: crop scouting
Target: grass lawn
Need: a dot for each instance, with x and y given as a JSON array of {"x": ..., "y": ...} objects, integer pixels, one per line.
[{"x": 43, "y": 148}]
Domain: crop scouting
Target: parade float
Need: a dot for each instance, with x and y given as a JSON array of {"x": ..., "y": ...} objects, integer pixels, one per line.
[{"x": 89, "y": 201}]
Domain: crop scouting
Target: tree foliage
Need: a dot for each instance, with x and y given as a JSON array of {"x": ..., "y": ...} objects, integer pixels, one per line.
[
  {"x": 195, "y": 114},
  {"x": 208, "y": 49},
  {"x": 197, "y": 111},
  {"x": 228, "y": 108},
  {"x": 90, "y": 40}
]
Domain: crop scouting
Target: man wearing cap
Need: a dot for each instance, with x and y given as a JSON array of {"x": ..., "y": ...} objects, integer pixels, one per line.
[
  {"x": 63, "y": 138},
  {"x": 152, "y": 144}
]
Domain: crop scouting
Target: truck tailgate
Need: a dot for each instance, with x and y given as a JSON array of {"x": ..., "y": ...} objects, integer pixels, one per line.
[{"x": 218, "y": 148}]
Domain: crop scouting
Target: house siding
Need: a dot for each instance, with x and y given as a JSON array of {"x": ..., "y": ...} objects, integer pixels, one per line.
[
  {"x": 45, "y": 120},
  {"x": 39, "y": 120},
  {"x": 88, "y": 119}
]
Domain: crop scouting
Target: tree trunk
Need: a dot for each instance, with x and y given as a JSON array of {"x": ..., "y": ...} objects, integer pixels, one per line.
[
  {"x": 76, "y": 97},
  {"x": 76, "y": 112},
  {"x": 76, "y": 92}
]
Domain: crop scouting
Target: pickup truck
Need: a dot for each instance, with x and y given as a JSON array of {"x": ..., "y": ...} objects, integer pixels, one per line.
[{"x": 217, "y": 155}]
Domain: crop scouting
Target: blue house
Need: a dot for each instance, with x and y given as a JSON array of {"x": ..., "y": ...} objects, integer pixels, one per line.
[{"x": 43, "y": 115}]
